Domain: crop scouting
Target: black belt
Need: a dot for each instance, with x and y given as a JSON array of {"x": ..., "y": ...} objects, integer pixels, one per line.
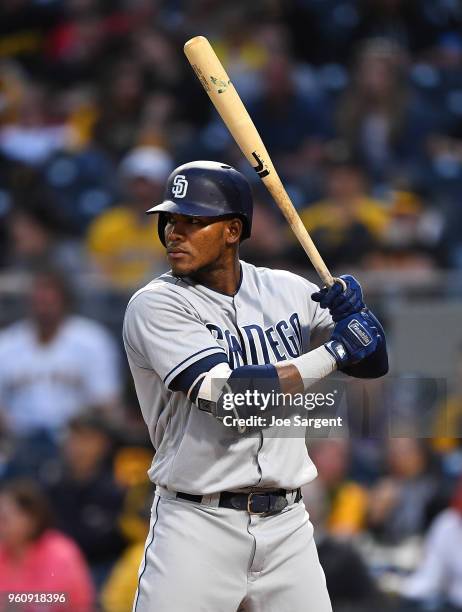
[{"x": 256, "y": 502}]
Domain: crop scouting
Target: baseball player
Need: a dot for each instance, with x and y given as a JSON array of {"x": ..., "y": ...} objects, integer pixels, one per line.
[{"x": 229, "y": 530}]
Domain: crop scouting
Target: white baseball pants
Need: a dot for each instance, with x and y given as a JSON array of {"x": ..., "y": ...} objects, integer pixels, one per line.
[{"x": 203, "y": 558}]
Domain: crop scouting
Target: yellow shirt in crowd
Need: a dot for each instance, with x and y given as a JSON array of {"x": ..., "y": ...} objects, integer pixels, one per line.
[
  {"x": 126, "y": 246},
  {"x": 324, "y": 215}
]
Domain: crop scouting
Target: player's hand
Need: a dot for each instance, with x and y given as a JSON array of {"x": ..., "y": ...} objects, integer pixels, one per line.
[
  {"x": 341, "y": 303},
  {"x": 353, "y": 339}
]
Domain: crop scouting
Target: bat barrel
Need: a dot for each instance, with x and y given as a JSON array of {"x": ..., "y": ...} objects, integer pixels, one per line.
[{"x": 226, "y": 100}]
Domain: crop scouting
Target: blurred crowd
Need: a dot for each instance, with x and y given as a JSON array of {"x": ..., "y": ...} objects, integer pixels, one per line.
[{"x": 360, "y": 105}]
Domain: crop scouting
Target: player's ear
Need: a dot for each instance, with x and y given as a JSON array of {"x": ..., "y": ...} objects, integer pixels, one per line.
[{"x": 233, "y": 230}]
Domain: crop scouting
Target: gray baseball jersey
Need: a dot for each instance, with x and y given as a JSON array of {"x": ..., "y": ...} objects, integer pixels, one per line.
[{"x": 176, "y": 330}]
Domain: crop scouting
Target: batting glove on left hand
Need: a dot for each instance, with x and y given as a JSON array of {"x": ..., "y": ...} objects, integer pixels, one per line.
[
  {"x": 341, "y": 304},
  {"x": 353, "y": 339}
]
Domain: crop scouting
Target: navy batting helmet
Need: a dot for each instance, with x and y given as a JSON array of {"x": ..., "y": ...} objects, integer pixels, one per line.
[{"x": 206, "y": 189}]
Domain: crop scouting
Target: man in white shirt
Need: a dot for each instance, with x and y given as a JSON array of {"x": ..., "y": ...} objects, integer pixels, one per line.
[
  {"x": 54, "y": 364},
  {"x": 438, "y": 578}
]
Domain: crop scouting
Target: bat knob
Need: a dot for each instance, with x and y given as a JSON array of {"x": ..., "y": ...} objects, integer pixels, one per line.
[{"x": 342, "y": 282}]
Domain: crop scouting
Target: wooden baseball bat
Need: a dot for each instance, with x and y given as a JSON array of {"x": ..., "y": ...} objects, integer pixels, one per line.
[{"x": 226, "y": 100}]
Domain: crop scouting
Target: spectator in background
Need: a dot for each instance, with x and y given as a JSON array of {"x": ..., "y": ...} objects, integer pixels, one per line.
[
  {"x": 441, "y": 176},
  {"x": 289, "y": 116},
  {"x": 338, "y": 506},
  {"x": 158, "y": 125},
  {"x": 269, "y": 242},
  {"x": 12, "y": 89},
  {"x": 382, "y": 123},
  {"x": 123, "y": 241},
  {"x": 413, "y": 240},
  {"x": 409, "y": 263},
  {"x": 348, "y": 223},
  {"x": 38, "y": 230},
  {"x": 399, "y": 503},
  {"x": 448, "y": 423},
  {"x": 33, "y": 138},
  {"x": 34, "y": 557},
  {"x": 400, "y": 506},
  {"x": 86, "y": 499},
  {"x": 158, "y": 56},
  {"x": 351, "y": 585},
  {"x": 119, "y": 108},
  {"x": 119, "y": 590},
  {"x": 438, "y": 579},
  {"x": 242, "y": 50},
  {"x": 75, "y": 47},
  {"x": 412, "y": 224},
  {"x": 52, "y": 363},
  {"x": 36, "y": 242},
  {"x": 339, "y": 501}
]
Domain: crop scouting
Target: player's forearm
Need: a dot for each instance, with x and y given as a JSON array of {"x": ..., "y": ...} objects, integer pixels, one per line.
[
  {"x": 289, "y": 377},
  {"x": 354, "y": 339},
  {"x": 297, "y": 375},
  {"x": 294, "y": 376}
]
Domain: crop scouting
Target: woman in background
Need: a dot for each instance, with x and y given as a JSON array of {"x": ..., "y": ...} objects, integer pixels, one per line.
[{"x": 36, "y": 559}]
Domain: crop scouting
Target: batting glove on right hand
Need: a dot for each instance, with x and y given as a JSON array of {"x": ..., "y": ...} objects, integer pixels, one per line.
[
  {"x": 341, "y": 303},
  {"x": 353, "y": 339}
]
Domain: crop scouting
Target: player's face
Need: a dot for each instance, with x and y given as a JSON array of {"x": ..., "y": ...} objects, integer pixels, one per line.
[{"x": 197, "y": 243}]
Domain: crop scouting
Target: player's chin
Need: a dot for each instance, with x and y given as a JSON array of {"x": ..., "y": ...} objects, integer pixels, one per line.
[
  {"x": 181, "y": 268},
  {"x": 179, "y": 272}
]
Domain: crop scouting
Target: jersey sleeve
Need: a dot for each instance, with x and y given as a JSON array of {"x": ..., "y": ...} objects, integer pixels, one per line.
[{"x": 163, "y": 332}]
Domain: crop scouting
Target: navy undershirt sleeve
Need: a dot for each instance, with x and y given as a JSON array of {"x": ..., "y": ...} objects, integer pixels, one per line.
[
  {"x": 186, "y": 378},
  {"x": 261, "y": 378}
]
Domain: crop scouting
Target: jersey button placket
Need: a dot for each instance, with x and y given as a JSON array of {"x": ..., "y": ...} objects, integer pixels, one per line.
[{"x": 241, "y": 310}]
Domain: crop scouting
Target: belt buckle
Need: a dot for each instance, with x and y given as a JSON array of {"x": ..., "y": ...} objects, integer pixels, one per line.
[{"x": 249, "y": 501}]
